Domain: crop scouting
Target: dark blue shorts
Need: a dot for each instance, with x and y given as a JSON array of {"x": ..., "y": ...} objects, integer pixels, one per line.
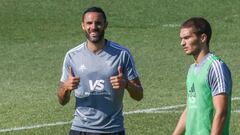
[{"x": 73, "y": 132}]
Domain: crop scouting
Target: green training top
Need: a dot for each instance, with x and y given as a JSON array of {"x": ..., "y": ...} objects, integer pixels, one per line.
[{"x": 200, "y": 109}]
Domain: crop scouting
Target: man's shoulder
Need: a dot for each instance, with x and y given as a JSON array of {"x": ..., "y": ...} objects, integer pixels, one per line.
[
  {"x": 217, "y": 62},
  {"x": 76, "y": 49},
  {"x": 117, "y": 46}
]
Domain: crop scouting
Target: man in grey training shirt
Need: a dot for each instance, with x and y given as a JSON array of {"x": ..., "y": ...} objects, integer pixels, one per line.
[{"x": 98, "y": 71}]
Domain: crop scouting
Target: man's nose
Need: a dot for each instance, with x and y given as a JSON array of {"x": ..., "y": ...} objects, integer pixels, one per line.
[
  {"x": 183, "y": 42},
  {"x": 94, "y": 26}
]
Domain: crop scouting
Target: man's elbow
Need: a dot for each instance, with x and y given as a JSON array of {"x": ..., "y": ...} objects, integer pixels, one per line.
[
  {"x": 139, "y": 97},
  {"x": 61, "y": 100},
  {"x": 62, "y": 103},
  {"x": 222, "y": 115}
]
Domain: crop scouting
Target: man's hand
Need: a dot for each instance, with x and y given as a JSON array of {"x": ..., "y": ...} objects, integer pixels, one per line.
[
  {"x": 133, "y": 87},
  {"x": 66, "y": 87},
  {"x": 72, "y": 82},
  {"x": 118, "y": 82}
]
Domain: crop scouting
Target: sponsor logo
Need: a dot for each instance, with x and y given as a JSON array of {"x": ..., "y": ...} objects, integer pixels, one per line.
[
  {"x": 96, "y": 88},
  {"x": 97, "y": 85}
]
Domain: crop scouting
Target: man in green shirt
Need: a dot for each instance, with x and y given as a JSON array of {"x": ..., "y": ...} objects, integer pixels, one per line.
[{"x": 209, "y": 84}]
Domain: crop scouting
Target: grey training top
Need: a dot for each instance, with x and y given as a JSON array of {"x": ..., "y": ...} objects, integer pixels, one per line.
[{"x": 98, "y": 106}]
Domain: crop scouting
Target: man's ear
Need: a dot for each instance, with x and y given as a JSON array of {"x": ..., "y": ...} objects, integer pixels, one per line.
[
  {"x": 203, "y": 38},
  {"x": 82, "y": 25},
  {"x": 105, "y": 26}
]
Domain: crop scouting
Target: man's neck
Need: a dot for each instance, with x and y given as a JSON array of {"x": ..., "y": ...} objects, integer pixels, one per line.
[
  {"x": 95, "y": 47},
  {"x": 199, "y": 57}
]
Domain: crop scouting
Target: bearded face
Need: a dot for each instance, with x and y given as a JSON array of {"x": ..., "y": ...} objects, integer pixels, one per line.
[{"x": 94, "y": 26}]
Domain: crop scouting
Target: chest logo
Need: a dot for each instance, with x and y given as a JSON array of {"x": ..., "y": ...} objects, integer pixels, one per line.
[
  {"x": 108, "y": 62},
  {"x": 192, "y": 94},
  {"x": 82, "y": 67},
  {"x": 97, "y": 85}
]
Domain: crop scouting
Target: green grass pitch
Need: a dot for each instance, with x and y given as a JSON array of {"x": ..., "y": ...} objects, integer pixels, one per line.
[{"x": 36, "y": 34}]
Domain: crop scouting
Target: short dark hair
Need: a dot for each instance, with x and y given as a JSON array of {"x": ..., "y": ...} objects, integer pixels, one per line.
[
  {"x": 95, "y": 9},
  {"x": 200, "y": 25}
]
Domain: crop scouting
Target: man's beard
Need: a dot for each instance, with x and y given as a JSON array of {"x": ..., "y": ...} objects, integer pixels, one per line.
[{"x": 95, "y": 39}]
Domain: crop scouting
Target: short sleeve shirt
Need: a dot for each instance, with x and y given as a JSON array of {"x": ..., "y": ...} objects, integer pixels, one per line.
[{"x": 98, "y": 105}]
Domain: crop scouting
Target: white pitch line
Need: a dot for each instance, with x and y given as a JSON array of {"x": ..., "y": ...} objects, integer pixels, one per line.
[
  {"x": 150, "y": 110},
  {"x": 171, "y": 25},
  {"x": 236, "y": 98},
  {"x": 165, "y": 109},
  {"x": 236, "y": 111},
  {"x": 35, "y": 126}
]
